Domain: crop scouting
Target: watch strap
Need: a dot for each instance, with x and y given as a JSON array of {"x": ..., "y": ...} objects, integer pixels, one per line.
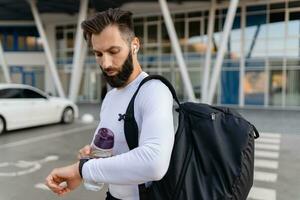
[{"x": 81, "y": 163}]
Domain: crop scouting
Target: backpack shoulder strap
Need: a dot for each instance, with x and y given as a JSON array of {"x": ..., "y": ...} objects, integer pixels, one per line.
[{"x": 130, "y": 125}]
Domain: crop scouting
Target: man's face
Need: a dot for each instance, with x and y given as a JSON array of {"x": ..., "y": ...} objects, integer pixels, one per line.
[{"x": 113, "y": 55}]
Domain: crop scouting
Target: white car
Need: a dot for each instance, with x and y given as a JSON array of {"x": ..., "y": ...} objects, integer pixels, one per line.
[{"x": 24, "y": 106}]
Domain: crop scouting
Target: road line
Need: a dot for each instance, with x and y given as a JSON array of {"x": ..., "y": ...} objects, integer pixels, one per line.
[
  {"x": 270, "y": 164},
  {"x": 268, "y": 140},
  {"x": 41, "y": 186},
  {"x": 266, "y": 154},
  {"x": 265, "y": 176},
  {"x": 267, "y": 146},
  {"x": 270, "y": 135},
  {"x": 46, "y": 137},
  {"x": 262, "y": 194}
]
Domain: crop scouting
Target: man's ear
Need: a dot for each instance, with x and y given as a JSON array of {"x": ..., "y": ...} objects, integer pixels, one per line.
[{"x": 135, "y": 45}]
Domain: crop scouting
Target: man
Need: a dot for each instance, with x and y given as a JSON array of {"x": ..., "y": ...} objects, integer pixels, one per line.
[{"x": 112, "y": 39}]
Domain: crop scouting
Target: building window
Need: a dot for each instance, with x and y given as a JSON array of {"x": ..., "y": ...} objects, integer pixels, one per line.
[
  {"x": 21, "y": 43},
  {"x": 152, "y": 34},
  {"x": 30, "y": 43},
  {"x": 293, "y": 88},
  {"x": 65, "y": 37},
  {"x": 20, "y": 39}
]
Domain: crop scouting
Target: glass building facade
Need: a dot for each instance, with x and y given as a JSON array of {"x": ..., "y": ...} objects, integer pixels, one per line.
[
  {"x": 264, "y": 41},
  {"x": 21, "y": 39}
]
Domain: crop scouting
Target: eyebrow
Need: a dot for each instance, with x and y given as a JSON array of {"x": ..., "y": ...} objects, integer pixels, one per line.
[{"x": 109, "y": 49}]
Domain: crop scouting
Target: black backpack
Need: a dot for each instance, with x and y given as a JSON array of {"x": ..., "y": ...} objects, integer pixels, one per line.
[{"x": 212, "y": 157}]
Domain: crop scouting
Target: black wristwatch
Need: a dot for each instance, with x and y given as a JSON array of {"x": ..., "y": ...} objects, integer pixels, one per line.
[{"x": 81, "y": 163}]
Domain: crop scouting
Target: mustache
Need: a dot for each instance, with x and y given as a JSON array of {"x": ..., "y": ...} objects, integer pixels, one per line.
[{"x": 109, "y": 69}]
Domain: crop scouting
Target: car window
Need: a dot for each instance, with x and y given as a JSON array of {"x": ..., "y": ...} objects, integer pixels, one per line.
[
  {"x": 12, "y": 93},
  {"x": 30, "y": 94}
]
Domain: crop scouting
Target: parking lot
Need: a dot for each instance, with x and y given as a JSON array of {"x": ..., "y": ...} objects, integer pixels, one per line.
[{"x": 27, "y": 156}]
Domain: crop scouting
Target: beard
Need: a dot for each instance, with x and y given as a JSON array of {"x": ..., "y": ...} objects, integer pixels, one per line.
[{"x": 121, "y": 78}]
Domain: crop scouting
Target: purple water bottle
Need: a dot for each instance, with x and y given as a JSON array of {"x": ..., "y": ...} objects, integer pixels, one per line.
[{"x": 101, "y": 147}]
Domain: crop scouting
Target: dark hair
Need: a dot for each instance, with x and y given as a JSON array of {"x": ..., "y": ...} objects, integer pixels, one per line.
[{"x": 113, "y": 16}]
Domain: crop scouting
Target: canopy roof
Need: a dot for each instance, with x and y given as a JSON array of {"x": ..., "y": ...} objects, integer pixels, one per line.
[{"x": 20, "y": 9}]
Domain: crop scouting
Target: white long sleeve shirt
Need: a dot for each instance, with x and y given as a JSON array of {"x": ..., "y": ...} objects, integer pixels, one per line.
[{"x": 150, "y": 160}]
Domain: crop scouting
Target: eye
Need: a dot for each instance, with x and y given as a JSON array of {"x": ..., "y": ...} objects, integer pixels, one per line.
[
  {"x": 114, "y": 51},
  {"x": 98, "y": 54}
]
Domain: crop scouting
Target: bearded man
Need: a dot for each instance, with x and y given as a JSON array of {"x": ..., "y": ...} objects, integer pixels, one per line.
[{"x": 111, "y": 37}]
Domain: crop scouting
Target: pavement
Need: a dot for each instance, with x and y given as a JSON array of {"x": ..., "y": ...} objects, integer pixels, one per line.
[
  {"x": 277, "y": 159},
  {"x": 27, "y": 156}
]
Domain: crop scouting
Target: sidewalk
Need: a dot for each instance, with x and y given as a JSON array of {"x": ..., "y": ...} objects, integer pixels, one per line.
[
  {"x": 279, "y": 121},
  {"x": 89, "y": 108}
]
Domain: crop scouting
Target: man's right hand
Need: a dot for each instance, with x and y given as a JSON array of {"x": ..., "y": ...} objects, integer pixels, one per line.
[
  {"x": 68, "y": 175},
  {"x": 84, "y": 152}
]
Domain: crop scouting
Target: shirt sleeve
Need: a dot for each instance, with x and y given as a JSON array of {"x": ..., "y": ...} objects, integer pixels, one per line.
[{"x": 150, "y": 160}]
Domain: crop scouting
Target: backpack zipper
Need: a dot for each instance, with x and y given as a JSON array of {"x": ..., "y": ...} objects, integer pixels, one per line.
[{"x": 211, "y": 116}]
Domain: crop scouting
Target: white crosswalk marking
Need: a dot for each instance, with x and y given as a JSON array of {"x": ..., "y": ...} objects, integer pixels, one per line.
[
  {"x": 269, "y": 140},
  {"x": 262, "y": 194},
  {"x": 266, "y": 154},
  {"x": 267, "y": 148},
  {"x": 270, "y": 164},
  {"x": 270, "y": 135},
  {"x": 265, "y": 176}
]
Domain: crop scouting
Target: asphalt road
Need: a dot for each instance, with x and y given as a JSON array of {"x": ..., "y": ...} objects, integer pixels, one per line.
[{"x": 27, "y": 156}]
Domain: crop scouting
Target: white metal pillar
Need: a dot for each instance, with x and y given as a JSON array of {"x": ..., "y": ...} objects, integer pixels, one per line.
[
  {"x": 176, "y": 47},
  {"x": 220, "y": 56},
  {"x": 210, "y": 32},
  {"x": 46, "y": 47},
  {"x": 242, "y": 59},
  {"x": 80, "y": 48},
  {"x": 4, "y": 65},
  {"x": 49, "y": 83}
]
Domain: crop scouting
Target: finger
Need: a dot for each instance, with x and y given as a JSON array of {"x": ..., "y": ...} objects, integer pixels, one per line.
[
  {"x": 87, "y": 149},
  {"x": 53, "y": 184},
  {"x": 50, "y": 182},
  {"x": 64, "y": 192},
  {"x": 61, "y": 187},
  {"x": 54, "y": 188},
  {"x": 65, "y": 189},
  {"x": 81, "y": 155},
  {"x": 84, "y": 152}
]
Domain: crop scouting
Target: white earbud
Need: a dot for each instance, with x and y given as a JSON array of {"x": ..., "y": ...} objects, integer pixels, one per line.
[{"x": 135, "y": 49}]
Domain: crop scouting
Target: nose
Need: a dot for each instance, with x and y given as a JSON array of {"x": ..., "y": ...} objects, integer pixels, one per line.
[{"x": 106, "y": 61}]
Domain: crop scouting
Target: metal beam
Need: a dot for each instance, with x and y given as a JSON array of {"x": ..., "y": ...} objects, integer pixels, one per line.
[
  {"x": 253, "y": 41},
  {"x": 80, "y": 48},
  {"x": 176, "y": 47},
  {"x": 220, "y": 56},
  {"x": 46, "y": 47},
  {"x": 242, "y": 60},
  {"x": 4, "y": 64},
  {"x": 16, "y": 23},
  {"x": 206, "y": 73}
]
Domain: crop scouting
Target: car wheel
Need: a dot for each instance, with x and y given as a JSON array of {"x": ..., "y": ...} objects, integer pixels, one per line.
[
  {"x": 2, "y": 125},
  {"x": 67, "y": 116}
]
